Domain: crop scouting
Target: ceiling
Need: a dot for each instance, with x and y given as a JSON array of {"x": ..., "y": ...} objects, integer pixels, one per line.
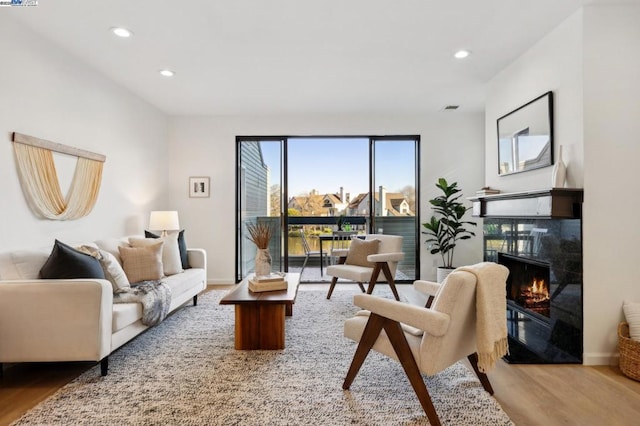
[{"x": 257, "y": 57}]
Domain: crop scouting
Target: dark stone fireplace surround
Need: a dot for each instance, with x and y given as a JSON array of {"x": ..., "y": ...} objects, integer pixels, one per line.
[{"x": 538, "y": 236}]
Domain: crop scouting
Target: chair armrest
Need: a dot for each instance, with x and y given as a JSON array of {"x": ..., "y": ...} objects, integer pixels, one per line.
[
  {"x": 55, "y": 320},
  {"x": 426, "y": 287},
  {"x": 386, "y": 257},
  {"x": 432, "y": 322},
  {"x": 197, "y": 258}
]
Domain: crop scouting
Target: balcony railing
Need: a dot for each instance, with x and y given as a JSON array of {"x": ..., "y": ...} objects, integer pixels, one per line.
[{"x": 313, "y": 226}]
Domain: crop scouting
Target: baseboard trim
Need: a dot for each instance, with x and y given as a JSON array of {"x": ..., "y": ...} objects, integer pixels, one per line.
[
  {"x": 219, "y": 282},
  {"x": 601, "y": 358}
]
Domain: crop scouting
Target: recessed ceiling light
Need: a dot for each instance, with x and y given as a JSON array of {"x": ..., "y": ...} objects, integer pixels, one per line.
[
  {"x": 167, "y": 73},
  {"x": 121, "y": 32},
  {"x": 461, "y": 54}
]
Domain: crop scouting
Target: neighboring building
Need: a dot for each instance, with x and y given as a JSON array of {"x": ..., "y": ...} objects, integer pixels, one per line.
[
  {"x": 393, "y": 204},
  {"x": 254, "y": 180},
  {"x": 320, "y": 204}
]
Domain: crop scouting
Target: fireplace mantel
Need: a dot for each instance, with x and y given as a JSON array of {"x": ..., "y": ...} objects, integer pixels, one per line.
[{"x": 549, "y": 203}]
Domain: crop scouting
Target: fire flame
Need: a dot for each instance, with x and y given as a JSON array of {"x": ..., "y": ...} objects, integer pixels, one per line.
[{"x": 538, "y": 290}]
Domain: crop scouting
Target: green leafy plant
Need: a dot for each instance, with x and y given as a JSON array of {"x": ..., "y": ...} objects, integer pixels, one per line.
[{"x": 446, "y": 226}]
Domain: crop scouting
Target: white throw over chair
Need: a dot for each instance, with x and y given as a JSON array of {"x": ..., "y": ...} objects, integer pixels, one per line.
[
  {"x": 386, "y": 260},
  {"x": 466, "y": 318}
]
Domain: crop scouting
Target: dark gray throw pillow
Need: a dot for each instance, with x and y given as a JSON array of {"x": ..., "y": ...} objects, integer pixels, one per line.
[
  {"x": 182, "y": 246},
  {"x": 65, "y": 262}
]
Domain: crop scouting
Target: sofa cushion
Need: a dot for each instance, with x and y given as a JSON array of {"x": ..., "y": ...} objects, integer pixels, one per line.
[
  {"x": 142, "y": 263},
  {"x": 182, "y": 246},
  {"x": 125, "y": 314},
  {"x": 23, "y": 264},
  {"x": 359, "y": 250},
  {"x": 171, "y": 263},
  {"x": 181, "y": 283},
  {"x": 65, "y": 262}
]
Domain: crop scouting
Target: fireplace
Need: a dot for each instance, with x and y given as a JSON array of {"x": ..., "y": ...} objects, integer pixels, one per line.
[
  {"x": 538, "y": 237},
  {"x": 527, "y": 284}
]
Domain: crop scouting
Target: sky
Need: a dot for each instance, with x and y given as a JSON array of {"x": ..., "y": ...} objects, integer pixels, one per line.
[{"x": 326, "y": 164}]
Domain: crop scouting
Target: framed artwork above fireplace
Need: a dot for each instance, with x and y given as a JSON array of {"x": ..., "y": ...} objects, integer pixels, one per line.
[{"x": 525, "y": 137}]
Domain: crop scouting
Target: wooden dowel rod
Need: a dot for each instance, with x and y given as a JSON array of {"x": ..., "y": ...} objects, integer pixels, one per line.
[{"x": 57, "y": 147}]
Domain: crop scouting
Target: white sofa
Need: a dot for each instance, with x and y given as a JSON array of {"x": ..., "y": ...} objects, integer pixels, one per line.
[{"x": 76, "y": 319}]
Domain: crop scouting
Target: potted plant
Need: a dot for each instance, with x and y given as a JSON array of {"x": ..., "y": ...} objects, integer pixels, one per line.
[{"x": 446, "y": 226}]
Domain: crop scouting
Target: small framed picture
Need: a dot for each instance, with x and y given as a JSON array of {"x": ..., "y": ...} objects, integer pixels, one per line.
[{"x": 199, "y": 187}]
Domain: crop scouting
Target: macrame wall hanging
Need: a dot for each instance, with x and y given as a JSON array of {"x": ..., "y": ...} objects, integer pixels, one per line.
[{"x": 39, "y": 179}]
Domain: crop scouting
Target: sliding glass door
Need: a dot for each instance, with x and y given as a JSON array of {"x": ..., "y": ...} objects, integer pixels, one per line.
[
  {"x": 394, "y": 185},
  {"x": 258, "y": 199},
  {"x": 308, "y": 187}
]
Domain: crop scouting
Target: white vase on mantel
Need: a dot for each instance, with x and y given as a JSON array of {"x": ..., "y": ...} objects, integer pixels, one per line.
[{"x": 559, "y": 174}]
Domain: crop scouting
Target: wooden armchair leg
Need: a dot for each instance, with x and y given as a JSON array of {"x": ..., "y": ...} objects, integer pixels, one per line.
[
  {"x": 484, "y": 379},
  {"x": 368, "y": 338},
  {"x": 401, "y": 346},
  {"x": 334, "y": 280},
  {"x": 390, "y": 280},
  {"x": 374, "y": 278},
  {"x": 361, "y": 287},
  {"x": 384, "y": 267}
]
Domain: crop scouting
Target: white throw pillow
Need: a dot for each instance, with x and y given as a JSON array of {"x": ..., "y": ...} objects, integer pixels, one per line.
[
  {"x": 110, "y": 265},
  {"x": 171, "y": 261},
  {"x": 632, "y": 315}
]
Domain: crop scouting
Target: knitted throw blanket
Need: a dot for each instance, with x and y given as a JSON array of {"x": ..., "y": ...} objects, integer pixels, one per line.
[
  {"x": 155, "y": 297},
  {"x": 491, "y": 312}
]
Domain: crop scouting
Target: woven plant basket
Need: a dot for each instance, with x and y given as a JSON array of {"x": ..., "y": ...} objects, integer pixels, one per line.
[{"x": 629, "y": 352}]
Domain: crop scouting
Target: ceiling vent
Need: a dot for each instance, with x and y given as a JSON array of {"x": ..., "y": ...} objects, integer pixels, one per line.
[{"x": 451, "y": 107}]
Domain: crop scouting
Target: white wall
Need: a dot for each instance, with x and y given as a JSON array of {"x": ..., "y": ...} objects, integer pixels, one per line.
[
  {"x": 611, "y": 154},
  {"x": 452, "y": 146},
  {"x": 591, "y": 62},
  {"x": 47, "y": 93},
  {"x": 554, "y": 63}
]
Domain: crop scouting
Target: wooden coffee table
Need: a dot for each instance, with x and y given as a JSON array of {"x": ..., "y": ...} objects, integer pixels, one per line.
[{"x": 260, "y": 316}]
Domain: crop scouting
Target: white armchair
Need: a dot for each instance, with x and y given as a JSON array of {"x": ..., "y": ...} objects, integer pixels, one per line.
[
  {"x": 471, "y": 302},
  {"x": 385, "y": 260}
]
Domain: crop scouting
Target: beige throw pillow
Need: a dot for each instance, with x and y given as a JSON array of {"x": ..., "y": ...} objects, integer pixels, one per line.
[
  {"x": 171, "y": 261},
  {"x": 110, "y": 265},
  {"x": 359, "y": 250},
  {"x": 142, "y": 263}
]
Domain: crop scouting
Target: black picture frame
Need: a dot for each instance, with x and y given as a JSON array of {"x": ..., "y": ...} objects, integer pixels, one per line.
[{"x": 525, "y": 137}]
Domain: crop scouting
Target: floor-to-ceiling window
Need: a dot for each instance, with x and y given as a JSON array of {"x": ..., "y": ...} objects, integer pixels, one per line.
[{"x": 306, "y": 186}]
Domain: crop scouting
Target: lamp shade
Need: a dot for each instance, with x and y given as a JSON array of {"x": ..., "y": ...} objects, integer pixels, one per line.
[{"x": 164, "y": 221}]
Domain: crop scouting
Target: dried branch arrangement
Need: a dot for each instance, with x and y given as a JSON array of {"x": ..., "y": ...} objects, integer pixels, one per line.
[{"x": 260, "y": 234}]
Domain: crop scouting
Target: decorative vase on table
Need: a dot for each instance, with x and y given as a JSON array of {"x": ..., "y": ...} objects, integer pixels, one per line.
[
  {"x": 559, "y": 174},
  {"x": 263, "y": 262}
]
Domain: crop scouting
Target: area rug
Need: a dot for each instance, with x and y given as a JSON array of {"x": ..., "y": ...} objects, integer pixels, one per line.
[{"x": 185, "y": 371}]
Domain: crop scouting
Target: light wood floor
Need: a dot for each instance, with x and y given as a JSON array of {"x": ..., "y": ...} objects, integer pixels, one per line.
[{"x": 530, "y": 394}]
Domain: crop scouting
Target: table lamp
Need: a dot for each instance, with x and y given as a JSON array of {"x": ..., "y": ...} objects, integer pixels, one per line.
[{"x": 164, "y": 221}]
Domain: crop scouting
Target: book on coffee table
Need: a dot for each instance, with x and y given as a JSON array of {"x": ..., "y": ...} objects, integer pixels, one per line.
[
  {"x": 272, "y": 282},
  {"x": 272, "y": 277}
]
